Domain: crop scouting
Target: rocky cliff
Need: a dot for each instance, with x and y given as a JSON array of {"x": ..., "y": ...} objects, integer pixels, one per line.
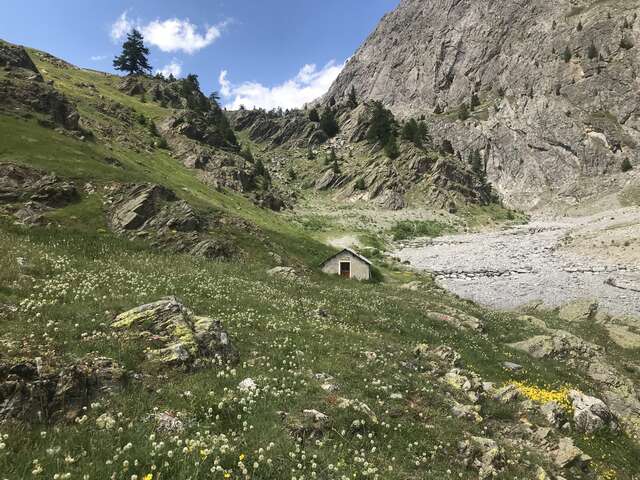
[{"x": 551, "y": 87}]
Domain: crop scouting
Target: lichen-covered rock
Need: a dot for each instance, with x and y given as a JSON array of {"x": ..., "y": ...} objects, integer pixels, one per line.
[
  {"x": 30, "y": 392},
  {"x": 590, "y": 414},
  {"x": 180, "y": 338},
  {"x": 579, "y": 311},
  {"x": 559, "y": 345}
]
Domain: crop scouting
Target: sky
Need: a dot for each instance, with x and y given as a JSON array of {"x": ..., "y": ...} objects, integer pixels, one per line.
[{"x": 262, "y": 53}]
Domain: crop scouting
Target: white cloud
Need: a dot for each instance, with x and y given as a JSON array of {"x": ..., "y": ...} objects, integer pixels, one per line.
[
  {"x": 174, "y": 68},
  {"x": 171, "y": 35},
  {"x": 98, "y": 58},
  {"x": 225, "y": 85},
  {"x": 121, "y": 27},
  {"x": 309, "y": 84}
]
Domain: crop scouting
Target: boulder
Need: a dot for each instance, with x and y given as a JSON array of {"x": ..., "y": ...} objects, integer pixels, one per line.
[
  {"x": 137, "y": 204},
  {"x": 468, "y": 412},
  {"x": 180, "y": 338},
  {"x": 590, "y": 414},
  {"x": 559, "y": 345},
  {"x": 457, "y": 319},
  {"x": 579, "y": 311},
  {"x": 30, "y": 393}
]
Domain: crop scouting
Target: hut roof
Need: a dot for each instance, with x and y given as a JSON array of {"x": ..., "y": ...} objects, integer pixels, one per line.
[{"x": 352, "y": 252}]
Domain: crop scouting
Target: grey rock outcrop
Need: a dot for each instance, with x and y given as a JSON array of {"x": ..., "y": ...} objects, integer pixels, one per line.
[
  {"x": 31, "y": 393},
  {"x": 24, "y": 91},
  {"x": 544, "y": 120},
  {"x": 156, "y": 213}
]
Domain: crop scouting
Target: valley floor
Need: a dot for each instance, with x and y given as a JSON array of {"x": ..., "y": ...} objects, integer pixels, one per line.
[{"x": 552, "y": 260}]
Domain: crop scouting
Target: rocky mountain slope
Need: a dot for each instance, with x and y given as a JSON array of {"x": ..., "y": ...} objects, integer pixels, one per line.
[{"x": 551, "y": 87}]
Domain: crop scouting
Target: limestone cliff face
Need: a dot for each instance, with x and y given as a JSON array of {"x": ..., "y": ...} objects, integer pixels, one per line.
[{"x": 557, "y": 84}]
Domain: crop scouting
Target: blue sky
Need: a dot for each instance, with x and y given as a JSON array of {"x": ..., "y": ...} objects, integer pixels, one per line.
[{"x": 256, "y": 52}]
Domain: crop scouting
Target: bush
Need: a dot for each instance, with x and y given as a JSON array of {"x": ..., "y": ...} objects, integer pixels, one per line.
[
  {"x": 391, "y": 149},
  {"x": 360, "y": 184},
  {"x": 626, "y": 43},
  {"x": 408, "y": 229},
  {"x": 328, "y": 123},
  {"x": 592, "y": 52},
  {"x": 463, "y": 112},
  {"x": 313, "y": 115},
  {"x": 567, "y": 55},
  {"x": 626, "y": 165}
]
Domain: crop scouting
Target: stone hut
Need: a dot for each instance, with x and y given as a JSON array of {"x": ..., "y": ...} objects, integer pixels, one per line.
[{"x": 348, "y": 264}]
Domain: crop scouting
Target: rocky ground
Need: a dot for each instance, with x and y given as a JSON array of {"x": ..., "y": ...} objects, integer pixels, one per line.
[{"x": 555, "y": 261}]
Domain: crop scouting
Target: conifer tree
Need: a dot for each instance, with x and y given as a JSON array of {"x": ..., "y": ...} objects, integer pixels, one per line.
[
  {"x": 134, "y": 57},
  {"x": 463, "y": 113},
  {"x": 592, "y": 52},
  {"x": 566, "y": 55}
]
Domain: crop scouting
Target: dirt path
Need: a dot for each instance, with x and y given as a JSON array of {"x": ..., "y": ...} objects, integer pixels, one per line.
[{"x": 555, "y": 261}]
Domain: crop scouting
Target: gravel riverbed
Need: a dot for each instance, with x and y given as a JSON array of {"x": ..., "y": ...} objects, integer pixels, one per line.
[{"x": 547, "y": 260}]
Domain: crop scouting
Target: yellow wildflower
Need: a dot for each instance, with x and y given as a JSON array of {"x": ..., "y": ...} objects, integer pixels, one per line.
[{"x": 543, "y": 395}]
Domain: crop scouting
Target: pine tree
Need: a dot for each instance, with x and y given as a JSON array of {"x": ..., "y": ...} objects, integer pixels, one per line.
[
  {"x": 328, "y": 123},
  {"x": 592, "y": 51},
  {"x": 626, "y": 165},
  {"x": 333, "y": 161},
  {"x": 360, "y": 185},
  {"x": 566, "y": 55},
  {"x": 134, "y": 56},
  {"x": 476, "y": 163},
  {"x": 352, "y": 101},
  {"x": 310, "y": 154},
  {"x": 313, "y": 115},
  {"x": 381, "y": 127},
  {"x": 410, "y": 131},
  {"x": 246, "y": 154},
  {"x": 446, "y": 148},
  {"x": 579, "y": 27}
]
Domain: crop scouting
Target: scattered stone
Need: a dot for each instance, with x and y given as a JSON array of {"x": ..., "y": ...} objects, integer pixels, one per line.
[
  {"x": 507, "y": 394},
  {"x": 421, "y": 350},
  {"x": 283, "y": 272},
  {"x": 169, "y": 423},
  {"x": 180, "y": 338},
  {"x": 460, "y": 320},
  {"x": 482, "y": 454},
  {"x": 514, "y": 367},
  {"x": 568, "y": 455},
  {"x": 554, "y": 414},
  {"x": 468, "y": 412}
]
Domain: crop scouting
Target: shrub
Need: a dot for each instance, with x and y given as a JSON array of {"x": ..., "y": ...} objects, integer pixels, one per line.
[
  {"x": 592, "y": 52},
  {"x": 463, "y": 112},
  {"x": 360, "y": 184},
  {"x": 391, "y": 149},
  {"x": 408, "y": 229},
  {"x": 626, "y": 165},
  {"x": 313, "y": 115},
  {"x": 626, "y": 43},
  {"x": 567, "y": 55},
  {"x": 328, "y": 123}
]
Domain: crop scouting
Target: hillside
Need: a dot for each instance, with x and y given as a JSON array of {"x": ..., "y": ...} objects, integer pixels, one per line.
[
  {"x": 551, "y": 88},
  {"x": 161, "y": 319}
]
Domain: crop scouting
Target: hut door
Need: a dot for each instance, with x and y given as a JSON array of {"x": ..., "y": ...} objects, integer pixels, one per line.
[{"x": 345, "y": 269}]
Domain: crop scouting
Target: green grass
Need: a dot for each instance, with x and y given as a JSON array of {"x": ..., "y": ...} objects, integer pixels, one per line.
[
  {"x": 74, "y": 283},
  {"x": 408, "y": 229}
]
